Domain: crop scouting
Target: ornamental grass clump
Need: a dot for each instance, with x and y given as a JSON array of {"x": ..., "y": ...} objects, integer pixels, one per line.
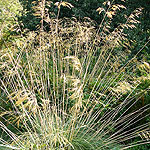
[{"x": 73, "y": 86}]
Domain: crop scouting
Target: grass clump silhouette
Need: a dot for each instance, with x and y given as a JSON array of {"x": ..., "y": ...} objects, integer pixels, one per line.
[{"x": 72, "y": 87}]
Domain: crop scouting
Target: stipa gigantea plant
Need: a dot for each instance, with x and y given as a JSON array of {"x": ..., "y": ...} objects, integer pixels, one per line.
[{"x": 68, "y": 87}]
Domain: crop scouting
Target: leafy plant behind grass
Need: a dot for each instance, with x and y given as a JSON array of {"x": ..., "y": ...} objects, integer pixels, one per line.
[{"x": 72, "y": 87}]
